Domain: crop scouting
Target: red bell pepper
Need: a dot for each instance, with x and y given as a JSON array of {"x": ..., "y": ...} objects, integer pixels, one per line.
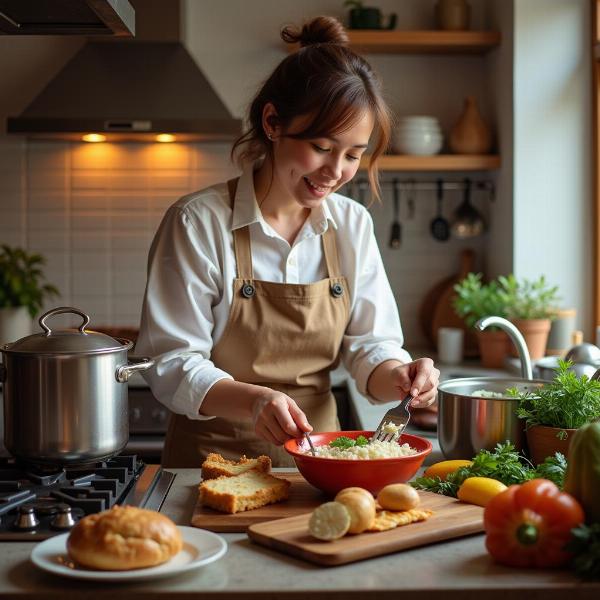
[{"x": 528, "y": 525}]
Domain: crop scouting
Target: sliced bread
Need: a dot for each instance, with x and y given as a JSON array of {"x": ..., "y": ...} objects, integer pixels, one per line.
[
  {"x": 248, "y": 490},
  {"x": 216, "y": 466}
]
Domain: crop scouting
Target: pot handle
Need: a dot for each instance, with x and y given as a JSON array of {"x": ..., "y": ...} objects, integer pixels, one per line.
[
  {"x": 134, "y": 364},
  {"x": 59, "y": 311}
]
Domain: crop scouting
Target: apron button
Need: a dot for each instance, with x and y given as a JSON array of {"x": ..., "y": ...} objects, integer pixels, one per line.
[
  {"x": 248, "y": 291},
  {"x": 337, "y": 290}
]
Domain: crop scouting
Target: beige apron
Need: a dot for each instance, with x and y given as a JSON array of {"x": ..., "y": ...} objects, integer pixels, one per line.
[{"x": 286, "y": 337}]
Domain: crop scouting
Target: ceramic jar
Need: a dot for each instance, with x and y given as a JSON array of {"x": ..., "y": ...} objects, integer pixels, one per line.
[
  {"x": 452, "y": 14},
  {"x": 418, "y": 135},
  {"x": 470, "y": 134}
]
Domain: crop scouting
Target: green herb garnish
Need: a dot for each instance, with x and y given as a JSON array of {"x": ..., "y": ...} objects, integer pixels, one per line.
[
  {"x": 567, "y": 402},
  {"x": 503, "y": 463},
  {"x": 343, "y": 442}
]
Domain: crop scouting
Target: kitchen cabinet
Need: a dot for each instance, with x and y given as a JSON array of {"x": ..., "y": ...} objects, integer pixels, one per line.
[{"x": 428, "y": 42}]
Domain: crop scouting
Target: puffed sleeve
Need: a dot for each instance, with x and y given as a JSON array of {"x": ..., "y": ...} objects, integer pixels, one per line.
[
  {"x": 184, "y": 281},
  {"x": 374, "y": 333}
]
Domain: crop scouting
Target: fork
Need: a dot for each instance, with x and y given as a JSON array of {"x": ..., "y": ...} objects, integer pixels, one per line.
[{"x": 398, "y": 416}]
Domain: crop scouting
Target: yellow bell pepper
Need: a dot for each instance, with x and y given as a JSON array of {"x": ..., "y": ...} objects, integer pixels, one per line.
[
  {"x": 479, "y": 490},
  {"x": 444, "y": 468}
]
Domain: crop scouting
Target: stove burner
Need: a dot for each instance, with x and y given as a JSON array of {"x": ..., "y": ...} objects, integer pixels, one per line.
[{"x": 38, "y": 503}]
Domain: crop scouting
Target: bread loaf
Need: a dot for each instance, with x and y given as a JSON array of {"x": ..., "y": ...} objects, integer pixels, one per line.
[
  {"x": 248, "y": 490},
  {"x": 216, "y": 466},
  {"x": 123, "y": 538}
]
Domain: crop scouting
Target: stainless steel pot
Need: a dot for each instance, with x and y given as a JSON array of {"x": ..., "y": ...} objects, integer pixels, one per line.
[
  {"x": 65, "y": 393},
  {"x": 469, "y": 422}
]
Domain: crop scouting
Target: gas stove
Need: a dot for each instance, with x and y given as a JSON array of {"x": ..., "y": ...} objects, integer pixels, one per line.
[{"x": 38, "y": 503}]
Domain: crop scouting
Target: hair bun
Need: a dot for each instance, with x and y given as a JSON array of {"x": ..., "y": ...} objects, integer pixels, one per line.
[{"x": 320, "y": 30}]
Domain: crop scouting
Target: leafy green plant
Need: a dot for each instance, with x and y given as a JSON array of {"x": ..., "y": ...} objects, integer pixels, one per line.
[
  {"x": 21, "y": 280},
  {"x": 527, "y": 299},
  {"x": 585, "y": 547},
  {"x": 567, "y": 402},
  {"x": 353, "y": 4},
  {"x": 503, "y": 463},
  {"x": 475, "y": 299}
]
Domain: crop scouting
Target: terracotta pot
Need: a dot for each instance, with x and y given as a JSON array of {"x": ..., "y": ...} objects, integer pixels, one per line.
[
  {"x": 470, "y": 135},
  {"x": 493, "y": 347},
  {"x": 535, "y": 332},
  {"x": 542, "y": 442}
]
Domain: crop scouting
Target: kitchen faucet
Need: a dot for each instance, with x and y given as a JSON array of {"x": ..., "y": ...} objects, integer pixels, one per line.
[{"x": 516, "y": 337}]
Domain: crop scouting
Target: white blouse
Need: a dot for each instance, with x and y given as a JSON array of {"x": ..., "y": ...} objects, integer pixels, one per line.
[{"x": 189, "y": 289}]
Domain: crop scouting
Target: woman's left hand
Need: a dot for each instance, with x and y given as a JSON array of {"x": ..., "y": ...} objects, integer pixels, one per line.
[{"x": 419, "y": 378}]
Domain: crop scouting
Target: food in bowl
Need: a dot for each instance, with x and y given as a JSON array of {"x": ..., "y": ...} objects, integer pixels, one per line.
[
  {"x": 360, "y": 449},
  {"x": 489, "y": 394},
  {"x": 332, "y": 474}
]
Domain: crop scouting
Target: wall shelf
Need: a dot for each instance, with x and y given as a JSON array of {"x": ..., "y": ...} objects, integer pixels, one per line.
[
  {"x": 420, "y": 42},
  {"x": 437, "y": 162}
]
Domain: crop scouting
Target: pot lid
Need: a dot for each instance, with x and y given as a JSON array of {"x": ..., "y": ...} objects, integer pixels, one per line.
[{"x": 66, "y": 341}]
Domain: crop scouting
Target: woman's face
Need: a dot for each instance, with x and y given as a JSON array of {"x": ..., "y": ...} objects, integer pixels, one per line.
[{"x": 309, "y": 170}]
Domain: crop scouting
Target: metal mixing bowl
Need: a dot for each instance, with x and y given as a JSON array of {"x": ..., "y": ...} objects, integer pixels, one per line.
[{"x": 468, "y": 423}]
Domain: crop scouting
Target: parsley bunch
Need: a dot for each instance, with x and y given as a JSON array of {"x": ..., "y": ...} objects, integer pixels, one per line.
[
  {"x": 344, "y": 442},
  {"x": 567, "y": 401},
  {"x": 503, "y": 463}
]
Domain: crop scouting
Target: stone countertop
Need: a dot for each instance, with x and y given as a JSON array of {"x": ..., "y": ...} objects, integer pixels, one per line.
[{"x": 456, "y": 570}]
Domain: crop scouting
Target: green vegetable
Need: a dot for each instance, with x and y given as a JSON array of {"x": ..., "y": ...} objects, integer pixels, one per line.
[
  {"x": 503, "y": 463},
  {"x": 583, "y": 475},
  {"x": 585, "y": 545},
  {"x": 344, "y": 442},
  {"x": 567, "y": 401}
]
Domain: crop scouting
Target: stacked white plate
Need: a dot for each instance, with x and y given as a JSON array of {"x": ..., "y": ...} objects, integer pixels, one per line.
[{"x": 420, "y": 135}]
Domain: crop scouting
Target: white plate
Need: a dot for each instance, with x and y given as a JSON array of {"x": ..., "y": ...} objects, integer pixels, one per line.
[{"x": 200, "y": 547}]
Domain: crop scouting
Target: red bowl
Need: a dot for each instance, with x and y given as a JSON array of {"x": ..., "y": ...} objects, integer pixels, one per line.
[{"x": 333, "y": 474}]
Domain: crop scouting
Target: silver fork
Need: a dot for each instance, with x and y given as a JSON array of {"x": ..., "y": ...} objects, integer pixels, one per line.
[{"x": 398, "y": 416}]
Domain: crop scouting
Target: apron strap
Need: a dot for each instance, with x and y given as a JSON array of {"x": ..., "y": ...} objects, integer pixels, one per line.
[
  {"x": 332, "y": 257},
  {"x": 241, "y": 240}
]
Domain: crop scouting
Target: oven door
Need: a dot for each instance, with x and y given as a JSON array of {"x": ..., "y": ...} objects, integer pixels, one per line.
[{"x": 148, "y": 420}]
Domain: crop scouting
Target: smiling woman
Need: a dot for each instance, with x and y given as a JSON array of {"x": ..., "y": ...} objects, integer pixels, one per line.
[{"x": 258, "y": 286}]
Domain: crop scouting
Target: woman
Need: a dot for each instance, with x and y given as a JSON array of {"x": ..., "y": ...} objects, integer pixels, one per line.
[{"x": 258, "y": 286}]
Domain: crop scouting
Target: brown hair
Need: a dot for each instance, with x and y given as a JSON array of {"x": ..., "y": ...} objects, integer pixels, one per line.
[{"x": 325, "y": 79}]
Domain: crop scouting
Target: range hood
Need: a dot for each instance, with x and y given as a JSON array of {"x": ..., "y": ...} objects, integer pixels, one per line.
[
  {"x": 128, "y": 90},
  {"x": 67, "y": 17}
]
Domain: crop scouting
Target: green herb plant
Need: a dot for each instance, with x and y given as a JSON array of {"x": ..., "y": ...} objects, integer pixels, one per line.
[
  {"x": 344, "y": 442},
  {"x": 566, "y": 402},
  {"x": 527, "y": 299},
  {"x": 21, "y": 280},
  {"x": 475, "y": 299},
  {"x": 585, "y": 546},
  {"x": 503, "y": 463}
]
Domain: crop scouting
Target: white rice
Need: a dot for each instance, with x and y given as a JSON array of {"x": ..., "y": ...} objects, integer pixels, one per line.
[{"x": 370, "y": 451}]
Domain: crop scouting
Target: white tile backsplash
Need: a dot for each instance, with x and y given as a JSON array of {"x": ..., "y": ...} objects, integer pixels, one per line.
[{"x": 92, "y": 210}]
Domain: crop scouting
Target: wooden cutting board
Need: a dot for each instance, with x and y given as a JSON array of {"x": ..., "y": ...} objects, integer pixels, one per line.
[
  {"x": 451, "y": 519},
  {"x": 303, "y": 499}
]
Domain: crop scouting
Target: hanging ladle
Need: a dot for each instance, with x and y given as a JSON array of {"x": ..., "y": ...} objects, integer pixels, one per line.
[
  {"x": 396, "y": 232},
  {"x": 439, "y": 226},
  {"x": 467, "y": 222}
]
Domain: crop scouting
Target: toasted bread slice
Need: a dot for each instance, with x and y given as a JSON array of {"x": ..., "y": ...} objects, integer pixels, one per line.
[
  {"x": 216, "y": 466},
  {"x": 248, "y": 490}
]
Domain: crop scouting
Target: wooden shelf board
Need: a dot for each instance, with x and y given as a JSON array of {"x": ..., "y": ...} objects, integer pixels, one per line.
[
  {"x": 437, "y": 162},
  {"x": 423, "y": 41},
  {"x": 420, "y": 42}
]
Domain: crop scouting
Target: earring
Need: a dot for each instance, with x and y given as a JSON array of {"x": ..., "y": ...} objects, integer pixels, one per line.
[{"x": 270, "y": 136}]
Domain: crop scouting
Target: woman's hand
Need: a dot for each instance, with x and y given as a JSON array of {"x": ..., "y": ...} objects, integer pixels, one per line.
[
  {"x": 277, "y": 418},
  {"x": 419, "y": 378}
]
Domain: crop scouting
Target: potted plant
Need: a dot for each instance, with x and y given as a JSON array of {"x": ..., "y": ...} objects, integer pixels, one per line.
[
  {"x": 530, "y": 305},
  {"x": 22, "y": 291},
  {"x": 553, "y": 412},
  {"x": 475, "y": 300}
]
